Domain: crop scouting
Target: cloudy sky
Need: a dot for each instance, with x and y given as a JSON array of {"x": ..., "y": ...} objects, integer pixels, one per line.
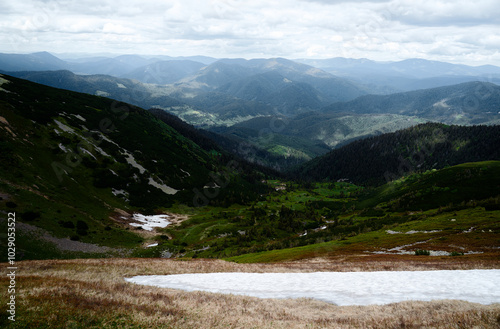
[{"x": 458, "y": 31}]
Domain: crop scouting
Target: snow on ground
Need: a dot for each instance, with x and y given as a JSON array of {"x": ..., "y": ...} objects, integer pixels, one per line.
[
  {"x": 166, "y": 189},
  {"x": 343, "y": 288},
  {"x": 149, "y": 222},
  {"x": 411, "y": 232},
  {"x": 63, "y": 127},
  {"x": 131, "y": 161}
]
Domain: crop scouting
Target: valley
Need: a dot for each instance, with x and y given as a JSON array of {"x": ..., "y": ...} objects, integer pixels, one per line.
[{"x": 260, "y": 166}]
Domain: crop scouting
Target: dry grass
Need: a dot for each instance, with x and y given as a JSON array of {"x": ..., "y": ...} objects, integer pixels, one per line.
[{"x": 92, "y": 294}]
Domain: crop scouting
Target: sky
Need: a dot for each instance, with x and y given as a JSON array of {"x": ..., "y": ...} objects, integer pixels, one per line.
[{"x": 457, "y": 31}]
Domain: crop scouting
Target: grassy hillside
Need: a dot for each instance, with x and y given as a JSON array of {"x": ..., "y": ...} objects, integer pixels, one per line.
[
  {"x": 449, "y": 212},
  {"x": 434, "y": 189}
]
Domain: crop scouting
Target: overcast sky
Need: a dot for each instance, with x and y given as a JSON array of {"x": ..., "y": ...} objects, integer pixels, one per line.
[{"x": 458, "y": 31}]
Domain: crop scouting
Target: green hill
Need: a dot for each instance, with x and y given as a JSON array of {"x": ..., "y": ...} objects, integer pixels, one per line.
[
  {"x": 449, "y": 212},
  {"x": 434, "y": 189}
]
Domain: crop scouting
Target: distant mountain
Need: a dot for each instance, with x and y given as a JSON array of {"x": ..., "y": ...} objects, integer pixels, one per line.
[
  {"x": 332, "y": 129},
  {"x": 376, "y": 160},
  {"x": 41, "y": 61},
  {"x": 407, "y": 75},
  {"x": 225, "y": 72},
  {"x": 274, "y": 90},
  {"x": 216, "y": 75},
  {"x": 410, "y": 68},
  {"x": 164, "y": 72},
  {"x": 125, "y": 90},
  {"x": 467, "y": 103},
  {"x": 109, "y": 66},
  {"x": 330, "y": 86}
]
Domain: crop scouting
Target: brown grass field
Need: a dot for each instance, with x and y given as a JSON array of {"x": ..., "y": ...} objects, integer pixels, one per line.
[{"x": 92, "y": 293}]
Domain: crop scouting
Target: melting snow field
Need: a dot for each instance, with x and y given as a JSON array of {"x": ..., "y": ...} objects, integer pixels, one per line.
[
  {"x": 150, "y": 222},
  {"x": 343, "y": 288}
]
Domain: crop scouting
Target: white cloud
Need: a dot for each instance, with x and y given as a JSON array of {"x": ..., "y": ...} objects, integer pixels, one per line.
[{"x": 382, "y": 30}]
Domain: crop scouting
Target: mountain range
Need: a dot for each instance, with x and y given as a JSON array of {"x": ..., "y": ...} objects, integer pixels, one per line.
[{"x": 244, "y": 99}]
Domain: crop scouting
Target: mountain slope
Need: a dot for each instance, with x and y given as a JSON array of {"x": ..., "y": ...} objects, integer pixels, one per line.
[
  {"x": 466, "y": 103},
  {"x": 333, "y": 129},
  {"x": 375, "y": 160},
  {"x": 72, "y": 160}
]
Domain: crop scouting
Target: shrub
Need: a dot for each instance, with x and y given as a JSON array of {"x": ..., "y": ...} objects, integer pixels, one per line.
[
  {"x": 421, "y": 252},
  {"x": 81, "y": 227},
  {"x": 455, "y": 253},
  {"x": 66, "y": 224},
  {"x": 11, "y": 204},
  {"x": 30, "y": 216}
]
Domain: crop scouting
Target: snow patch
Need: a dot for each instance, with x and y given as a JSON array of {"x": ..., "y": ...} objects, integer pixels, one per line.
[
  {"x": 117, "y": 192},
  {"x": 187, "y": 174},
  {"x": 411, "y": 232},
  {"x": 131, "y": 161},
  {"x": 166, "y": 189},
  {"x": 342, "y": 288},
  {"x": 78, "y": 116},
  {"x": 152, "y": 245},
  {"x": 149, "y": 222},
  {"x": 121, "y": 85},
  {"x": 88, "y": 152},
  {"x": 469, "y": 230},
  {"x": 2, "y": 81},
  {"x": 441, "y": 103},
  {"x": 64, "y": 128},
  {"x": 102, "y": 93},
  {"x": 61, "y": 146}
]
